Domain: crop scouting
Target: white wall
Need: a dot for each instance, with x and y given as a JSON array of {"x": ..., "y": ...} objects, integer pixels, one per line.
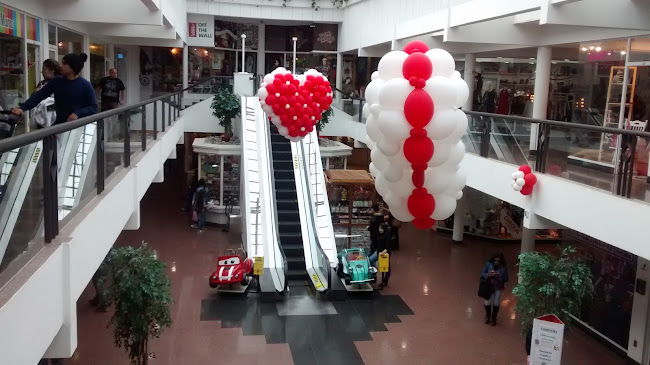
[
  {"x": 199, "y": 118},
  {"x": 296, "y": 10}
]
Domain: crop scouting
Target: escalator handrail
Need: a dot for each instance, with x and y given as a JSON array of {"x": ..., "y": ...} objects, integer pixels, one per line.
[
  {"x": 274, "y": 202},
  {"x": 311, "y": 212}
]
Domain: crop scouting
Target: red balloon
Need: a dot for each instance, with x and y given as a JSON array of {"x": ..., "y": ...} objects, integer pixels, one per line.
[
  {"x": 418, "y": 108},
  {"x": 526, "y": 190},
  {"x": 418, "y": 178},
  {"x": 276, "y": 109},
  {"x": 271, "y": 89},
  {"x": 525, "y": 169},
  {"x": 417, "y": 65},
  {"x": 416, "y": 46},
  {"x": 418, "y": 149},
  {"x": 530, "y": 179},
  {"x": 423, "y": 223},
  {"x": 271, "y": 100},
  {"x": 421, "y": 204}
]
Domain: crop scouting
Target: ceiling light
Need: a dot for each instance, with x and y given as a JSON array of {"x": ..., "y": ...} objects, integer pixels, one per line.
[
  {"x": 584, "y": 49},
  {"x": 623, "y": 52},
  {"x": 554, "y": 62},
  {"x": 567, "y": 60},
  {"x": 205, "y": 52},
  {"x": 598, "y": 49},
  {"x": 609, "y": 53},
  {"x": 499, "y": 57},
  {"x": 174, "y": 51},
  {"x": 531, "y": 58},
  {"x": 60, "y": 44},
  {"x": 532, "y": 63},
  {"x": 591, "y": 48},
  {"x": 507, "y": 62}
]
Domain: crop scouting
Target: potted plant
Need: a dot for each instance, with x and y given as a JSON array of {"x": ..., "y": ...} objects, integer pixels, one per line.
[
  {"x": 551, "y": 284},
  {"x": 325, "y": 118},
  {"x": 141, "y": 292},
  {"x": 226, "y": 106}
]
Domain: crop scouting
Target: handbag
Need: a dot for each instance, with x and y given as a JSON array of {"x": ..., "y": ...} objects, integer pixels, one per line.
[
  {"x": 195, "y": 216},
  {"x": 485, "y": 289}
]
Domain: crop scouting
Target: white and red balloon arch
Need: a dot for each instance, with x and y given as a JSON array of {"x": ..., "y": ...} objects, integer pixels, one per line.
[
  {"x": 295, "y": 104},
  {"x": 523, "y": 180},
  {"x": 415, "y": 126}
]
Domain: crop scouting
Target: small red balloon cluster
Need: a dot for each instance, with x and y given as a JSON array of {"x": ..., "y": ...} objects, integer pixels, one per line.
[
  {"x": 295, "y": 104},
  {"x": 418, "y": 148},
  {"x": 524, "y": 180}
]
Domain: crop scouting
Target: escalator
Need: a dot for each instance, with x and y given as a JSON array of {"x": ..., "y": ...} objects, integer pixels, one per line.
[{"x": 288, "y": 211}]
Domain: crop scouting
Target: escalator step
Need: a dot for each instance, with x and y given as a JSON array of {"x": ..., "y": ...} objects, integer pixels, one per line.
[
  {"x": 289, "y": 227},
  {"x": 285, "y": 194}
]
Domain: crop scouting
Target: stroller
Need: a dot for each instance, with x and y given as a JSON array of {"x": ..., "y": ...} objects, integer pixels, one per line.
[{"x": 8, "y": 123}]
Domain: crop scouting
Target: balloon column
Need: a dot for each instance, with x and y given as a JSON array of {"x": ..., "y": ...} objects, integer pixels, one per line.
[
  {"x": 295, "y": 103},
  {"x": 524, "y": 180},
  {"x": 415, "y": 127}
]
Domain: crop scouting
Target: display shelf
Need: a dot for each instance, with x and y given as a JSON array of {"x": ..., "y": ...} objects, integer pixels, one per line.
[{"x": 608, "y": 142}]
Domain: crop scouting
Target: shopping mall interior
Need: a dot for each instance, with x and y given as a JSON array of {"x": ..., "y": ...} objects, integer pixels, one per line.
[{"x": 197, "y": 223}]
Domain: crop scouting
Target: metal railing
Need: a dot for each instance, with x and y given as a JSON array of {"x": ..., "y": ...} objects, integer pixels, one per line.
[
  {"x": 166, "y": 109},
  {"x": 350, "y": 104},
  {"x": 572, "y": 151}
]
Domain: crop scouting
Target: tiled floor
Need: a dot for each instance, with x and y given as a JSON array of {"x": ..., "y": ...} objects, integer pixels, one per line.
[{"x": 429, "y": 314}]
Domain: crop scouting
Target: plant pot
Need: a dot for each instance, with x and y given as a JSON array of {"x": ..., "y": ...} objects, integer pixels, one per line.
[{"x": 226, "y": 137}]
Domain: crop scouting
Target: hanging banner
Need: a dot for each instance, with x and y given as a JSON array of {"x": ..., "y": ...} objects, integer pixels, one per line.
[
  {"x": 200, "y": 30},
  {"x": 546, "y": 343}
]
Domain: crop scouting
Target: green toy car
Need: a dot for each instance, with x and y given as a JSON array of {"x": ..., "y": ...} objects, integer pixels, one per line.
[{"x": 354, "y": 267}]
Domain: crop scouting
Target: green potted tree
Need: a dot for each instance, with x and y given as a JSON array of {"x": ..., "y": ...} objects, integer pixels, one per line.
[
  {"x": 551, "y": 284},
  {"x": 141, "y": 292},
  {"x": 325, "y": 118},
  {"x": 226, "y": 107}
]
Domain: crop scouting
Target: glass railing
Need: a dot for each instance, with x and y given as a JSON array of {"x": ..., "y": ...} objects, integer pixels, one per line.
[
  {"x": 44, "y": 197},
  {"x": 216, "y": 84},
  {"x": 610, "y": 159},
  {"x": 349, "y": 104},
  {"x": 320, "y": 262}
]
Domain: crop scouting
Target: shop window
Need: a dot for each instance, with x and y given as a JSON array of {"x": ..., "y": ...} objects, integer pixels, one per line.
[
  {"x": 12, "y": 74},
  {"x": 51, "y": 31}
]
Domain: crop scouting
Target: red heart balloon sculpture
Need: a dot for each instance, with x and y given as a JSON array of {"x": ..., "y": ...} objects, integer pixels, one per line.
[{"x": 295, "y": 104}]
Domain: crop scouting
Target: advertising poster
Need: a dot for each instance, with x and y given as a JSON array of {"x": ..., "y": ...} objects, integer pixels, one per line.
[
  {"x": 200, "y": 30},
  {"x": 546, "y": 343}
]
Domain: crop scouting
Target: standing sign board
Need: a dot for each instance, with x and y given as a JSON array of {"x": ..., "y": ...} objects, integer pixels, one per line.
[
  {"x": 546, "y": 343},
  {"x": 200, "y": 30}
]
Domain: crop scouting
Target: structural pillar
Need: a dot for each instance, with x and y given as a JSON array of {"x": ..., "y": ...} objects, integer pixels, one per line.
[
  {"x": 468, "y": 76},
  {"x": 542, "y": 80},
  {"x": 186, "y": 66},
  {"x": 459, "y": 220},
  {"x": 527, "y": 241},
  {"x": 261, "y": 48}
]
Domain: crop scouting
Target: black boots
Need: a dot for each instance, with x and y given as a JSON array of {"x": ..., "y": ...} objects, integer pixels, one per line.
[
  {"x": 488, "y": 314},
  {"x": 495, "y": 311}
]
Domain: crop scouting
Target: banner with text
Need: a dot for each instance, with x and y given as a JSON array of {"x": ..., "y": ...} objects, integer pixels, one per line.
[
  {"x": 546, "y": 342},
  {"x": 200, "y": 30}
]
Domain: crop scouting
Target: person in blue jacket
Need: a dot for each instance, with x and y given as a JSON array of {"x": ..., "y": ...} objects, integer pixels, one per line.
[
  {"x": 496, "y": 274},
  {"x": 74, "y": 95}
]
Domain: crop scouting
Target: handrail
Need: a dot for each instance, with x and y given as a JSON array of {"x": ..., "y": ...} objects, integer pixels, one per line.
[
  {"x": 311, "y": 211},
  {"x": 274, "y": 202},
  {"x": 347, "y": 96},
  {"x": 25, "y": 139}
]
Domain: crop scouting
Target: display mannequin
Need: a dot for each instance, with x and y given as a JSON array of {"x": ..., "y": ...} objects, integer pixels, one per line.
[
  {"x": 324, "y": 68},
  {"x": 478, "y": 88},
  {"x": 489, "y": 98},
  {"x": 504, "y": 101}
]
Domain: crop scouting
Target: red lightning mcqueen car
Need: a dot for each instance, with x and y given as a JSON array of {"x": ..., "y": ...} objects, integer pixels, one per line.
[{"x": 231, "y": 270}]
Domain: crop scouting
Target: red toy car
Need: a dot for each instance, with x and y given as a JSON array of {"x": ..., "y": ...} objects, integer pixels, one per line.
[{"x": 231, "y": 270}]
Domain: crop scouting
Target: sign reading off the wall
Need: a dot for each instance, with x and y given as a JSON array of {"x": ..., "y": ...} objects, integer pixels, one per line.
[{"x": 200, "y": 30}]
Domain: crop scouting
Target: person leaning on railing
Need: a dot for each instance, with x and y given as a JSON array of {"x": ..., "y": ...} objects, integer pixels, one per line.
[{"x": 74, "y": 95}]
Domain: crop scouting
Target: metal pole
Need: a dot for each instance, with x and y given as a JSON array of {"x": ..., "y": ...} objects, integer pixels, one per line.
[
  {"x": 101, "y": 171},
  {"x": 621, "y": 114},
  {"x": 243, "y": 52},
  {"x": 50, "y": 199},
  {"x": 144, "y": 128},
  {"x": 295, "y": 39},
  {"x": 127, "y": 139},
  {"x": 155, "y": 121}
]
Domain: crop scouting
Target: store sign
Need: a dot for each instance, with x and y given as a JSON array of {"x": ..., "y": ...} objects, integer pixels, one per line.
[
  {"x": 383, "y": 262},
  {"x": 546, "y": 342},
  {"x": 19, "y": 25},
  {"x": 509, "y": 224},
  {"x": 325, "y": 37},
  {"x": 258, "y": 265},
  {"x": 200, "y": 30}
]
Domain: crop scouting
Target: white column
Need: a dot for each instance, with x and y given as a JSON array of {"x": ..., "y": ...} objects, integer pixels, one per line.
[
  {"x": 186, "y": 71},
  {"x": 639, "y": 338},
  {"x": 542, "y": 79},
  {"x": 468, "y": 76},
  {"x": 339, "y": 71},
  {"x": 459, "y": 220},
  {"x": 261, "y": 49},
  {"x": 527, "y": 240}
]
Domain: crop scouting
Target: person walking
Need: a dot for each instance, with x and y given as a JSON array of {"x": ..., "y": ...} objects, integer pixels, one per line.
[
  {"x": 51, "y": 69},
  {"x": 496, "y": 274},
  {"x": 200, "y": 203},
  {"x": 44, "y": 114},
  {"x": 395, "y": 225},
  {"x": 74, "y": 95},
  {"x": 375, "y": 221},
  {"x": 113, "y": 94},
  {"x": 383, "y": 246}
]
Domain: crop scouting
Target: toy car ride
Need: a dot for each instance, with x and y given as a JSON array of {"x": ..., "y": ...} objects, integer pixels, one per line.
[
  {"x": 354, "y": 267},
  {"x": 232, "y": 269}
]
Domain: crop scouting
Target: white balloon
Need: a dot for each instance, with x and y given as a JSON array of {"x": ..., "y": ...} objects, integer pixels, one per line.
[
  {"x": 372, "y": 91},
  {"x": 374, "y": 76},
  {"x": 279, "y": 70},
  {"x": 366, "y": 110},
  {"x": 442, "y": 91},
  {"x": 371, "y": 144},
  {"x": 374, "y": 171},
  {"x": 456, "y": 154},
  {"x": 276, "y": 120},
  {"x": 461, "y": 91},
  {"x": 399, "y": 209},
  {"x": 518, "y": 175},
  {"x": 268, "y": 110},
  {"x": 441, "y": 150},
  {"x": 393, "y": 174},
  {"x": 442, "y": 125},
  {"x": 394, "y": 126},
  {"x": 375, "y": 109},
  {"x": 283, "y": 130},
  {"x": 437, "y": 180},
  {"x": 390, "y": 66},
  {"x": 295, "y": 139},
  {"x": 268, "y": 79},
  {"x": 445, "y": 206},
  {"x": 443, "y": 63},
  {"x": 372, "y": 129},
  {"x": 394, "y": 93},
  {"x": 398, "y": 161},
  {"x": 302, "y": 78},
  {"x": 388, "y": 148},
  {"x": 379, "y": 160},
  {"x": 461, "y": 126},
  {"x": 381, "y": 185},
  {"x": 456, "y": 75},
  {"x": 262, "y": 93},
  {"x": 459, "y": 195},
  {"x": 517, "y": 187},
  {"x": 514, "y": 177},
  {"x": 457, "y": 183},
  {"x": 404, "y": 187},
  {"x": 520, "y": 182}
]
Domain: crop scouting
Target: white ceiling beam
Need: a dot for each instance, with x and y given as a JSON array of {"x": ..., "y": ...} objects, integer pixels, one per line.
[
  {"x": 132, "y": 31},
  {"x": 145, "y": 42},
  {"x": 152, "y": 5},
  {"x": 499, "y": 31},
  {"x": 116, "y": 11},
  {"x": 482, "y": 10},
  {"x": 624, "y": 14},
  {"x": 426, "y": 24},
  {"x": 527, "y": 18},
  {"x": 375, "y": 51}
]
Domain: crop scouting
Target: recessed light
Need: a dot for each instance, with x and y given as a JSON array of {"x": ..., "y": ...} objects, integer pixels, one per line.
[
  {"x": 598, "y": 49},
  {"x": 609, "y": 53},
  {"x": 623, "y": 52},
  {"x": 584, "y": 49},
  {"x": 499, "y": 57},
  {"x": 591, "y": 48},
  {"x": 531, "y": 58},
  {"x": 532, "y": 63}
]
